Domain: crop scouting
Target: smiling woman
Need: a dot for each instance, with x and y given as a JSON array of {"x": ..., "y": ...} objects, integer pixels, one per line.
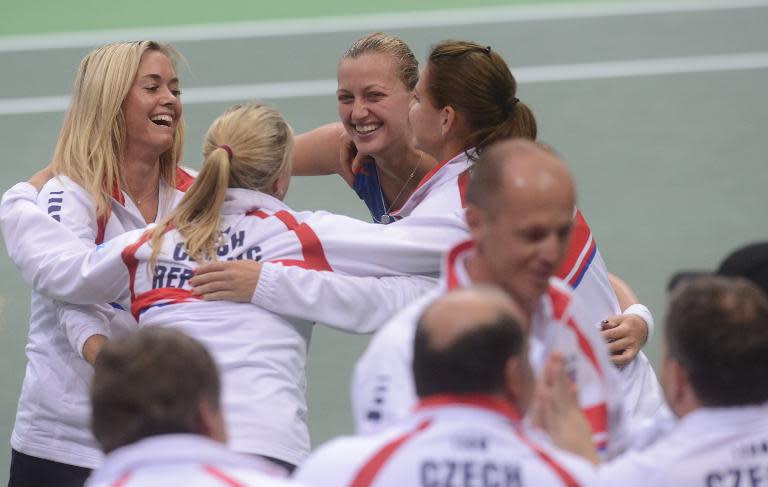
[{"x": 116, "y": 163}]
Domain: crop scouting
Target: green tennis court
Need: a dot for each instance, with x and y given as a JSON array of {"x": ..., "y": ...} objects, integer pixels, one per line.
[{"x": 659, "y": 108}]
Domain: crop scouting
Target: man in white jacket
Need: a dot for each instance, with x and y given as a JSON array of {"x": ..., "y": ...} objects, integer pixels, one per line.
[
  {"x": 474, "y": 382},
  {"x": 520, "y": 213},
  {"x": 156, "y": 414},
  {"x": 715, "y": 378}
]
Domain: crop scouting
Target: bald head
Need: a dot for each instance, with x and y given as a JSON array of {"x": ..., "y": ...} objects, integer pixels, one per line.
[
  {"x": 464, "y": 340},
  {"x": 466, "y": 310},
  {"x": 520, "y": 213},
  {"x": 520, "y": 168}
]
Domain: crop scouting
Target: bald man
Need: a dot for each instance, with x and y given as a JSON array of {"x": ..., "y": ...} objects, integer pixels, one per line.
[
  {"x": 520, "y": 207},
  {"x": 474, "y": 381}
]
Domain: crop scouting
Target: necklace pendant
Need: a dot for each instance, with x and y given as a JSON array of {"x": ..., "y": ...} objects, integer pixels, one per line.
[{"x": 385, "y": 218}]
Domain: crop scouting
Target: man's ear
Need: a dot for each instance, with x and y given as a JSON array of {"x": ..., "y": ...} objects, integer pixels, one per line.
[
  {"x": 515, "y": 386},
  {"x": 280, "y": 185},
  {"x": 680, "y": 394},
  {"x": 211, "y": 421},
  {"x": 476, "y": 221}
]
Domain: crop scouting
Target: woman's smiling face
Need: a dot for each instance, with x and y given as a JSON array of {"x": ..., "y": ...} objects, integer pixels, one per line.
[
  {"x": 153, "y": 107},
  {"x": 373, "y": 102}
]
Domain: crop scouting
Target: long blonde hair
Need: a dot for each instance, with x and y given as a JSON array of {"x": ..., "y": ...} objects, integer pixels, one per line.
[
  {"x": 93, "y": 136},
  {"x": 261, "y": 142}
]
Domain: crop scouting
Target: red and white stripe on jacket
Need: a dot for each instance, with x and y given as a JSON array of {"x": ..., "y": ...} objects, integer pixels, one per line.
[
  {"x": 382, "y": 387},
  {"x": 448, "y": 438}
]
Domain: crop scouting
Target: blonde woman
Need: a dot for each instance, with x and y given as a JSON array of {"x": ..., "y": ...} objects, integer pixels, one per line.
[
  {"x": 116, "y": 163},
  {"x": 232, "y": 211}
]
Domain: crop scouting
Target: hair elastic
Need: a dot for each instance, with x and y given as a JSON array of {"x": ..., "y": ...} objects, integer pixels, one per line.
[
  {"x": 228, "y": 149},
  {"x": 487, "y": 49}
]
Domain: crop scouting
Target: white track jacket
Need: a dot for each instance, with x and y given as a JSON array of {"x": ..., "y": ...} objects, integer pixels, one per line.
[
  {"x": 188, "y": 460},
  {"x": 262, "y": 355},
  {"x": 382, "y": 385},
  {"x": 441, "y": 195},
  {"x": 449, "y": 440},
  {"x": 712, "y": 447},
  {"x": 53, "y": 414},
  {"x": 438, "y": 202}
]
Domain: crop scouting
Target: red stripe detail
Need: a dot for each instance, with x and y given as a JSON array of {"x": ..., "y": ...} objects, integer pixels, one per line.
[
  {"x": 585, "y": 346},
  {"x": 432, "y": 172},
  {"x": 183, "y": 179},
  {"x": 258, "y": 213},
  {"x": 463, "y": 183},
  {"x": 131, "y": 262},
  {"x": 475, "y": 400},
  {"x": 453, "y": 255},
  {"x": 122, "y": 480},
  {"x": 117, "y": 194},
  {"x": 101, "y": 227},
  {"x": 170, "y": 295},
  {"x": 560, "y": 301},
  {"x": 559, "y": 470},
  {"x": 226, "y": 479},
  {"x": 368, "y": 472},
  {"x": 579, "y": 238},
  {"x": 598, "y": 418},
  {"x": 311, "y": 247},
  {"x": 584, "y": 263}
]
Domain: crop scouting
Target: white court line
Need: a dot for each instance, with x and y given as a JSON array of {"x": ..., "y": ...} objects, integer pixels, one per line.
[
  {"x": 365, "y": 23},
  {"x": 525, "y": 75}
]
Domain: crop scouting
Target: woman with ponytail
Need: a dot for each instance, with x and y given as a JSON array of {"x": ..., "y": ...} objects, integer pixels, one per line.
[
  {"x": 234, "y": 211},
  {"x": 465, "y": 100}
]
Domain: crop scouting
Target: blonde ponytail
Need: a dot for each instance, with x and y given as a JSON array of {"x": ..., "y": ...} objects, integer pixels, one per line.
[{"x": 260, "y": 143}]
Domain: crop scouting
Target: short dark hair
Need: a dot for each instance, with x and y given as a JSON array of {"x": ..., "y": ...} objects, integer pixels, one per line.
[
  {"x": 150, "y": 383},
  {"x": 474, "y": 362},
  {"x": 717, "y": 329}
]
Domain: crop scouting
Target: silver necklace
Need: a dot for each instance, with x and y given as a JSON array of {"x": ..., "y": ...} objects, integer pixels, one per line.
[{"x": 386, "y": 217}]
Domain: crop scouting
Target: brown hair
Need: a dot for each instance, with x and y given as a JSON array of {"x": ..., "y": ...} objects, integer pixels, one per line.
[
  {"x": 477, "y": 83},
  {"x": 381, "y": 43},
  {"x": 150, "y": 383},
  {"x": 717, "y": 330}
]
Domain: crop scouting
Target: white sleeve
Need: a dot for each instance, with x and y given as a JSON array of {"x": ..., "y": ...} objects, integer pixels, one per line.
[
  {"x": 349, "y": 303},
  {"x": 82, "y": 322},
  {"x": 55, "y": 262},
  {"x": 383, "y": 392},
  {"x": 12, "y": 220},
  {"x": 413, "y": 245},
  {"x": 333, "y": 464},
  {"x": 632, "y": 470}
]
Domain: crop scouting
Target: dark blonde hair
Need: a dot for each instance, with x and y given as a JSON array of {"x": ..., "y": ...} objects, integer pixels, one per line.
[
  {"x": 477, "y": 83},
  {"x": 261, "y": 142},
  {"x": 93, "y": 136},
  {"x": 381, "y": 43},
  {"x": 149, "y": 383}
]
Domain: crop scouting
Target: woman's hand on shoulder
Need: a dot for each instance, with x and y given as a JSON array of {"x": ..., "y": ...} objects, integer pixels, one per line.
[
  {"x": 41, "y": 177},
  {"x": 227, "y": 281}
]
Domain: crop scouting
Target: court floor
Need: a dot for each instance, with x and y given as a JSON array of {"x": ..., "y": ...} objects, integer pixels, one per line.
[{"x": 659, "y": 109}]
